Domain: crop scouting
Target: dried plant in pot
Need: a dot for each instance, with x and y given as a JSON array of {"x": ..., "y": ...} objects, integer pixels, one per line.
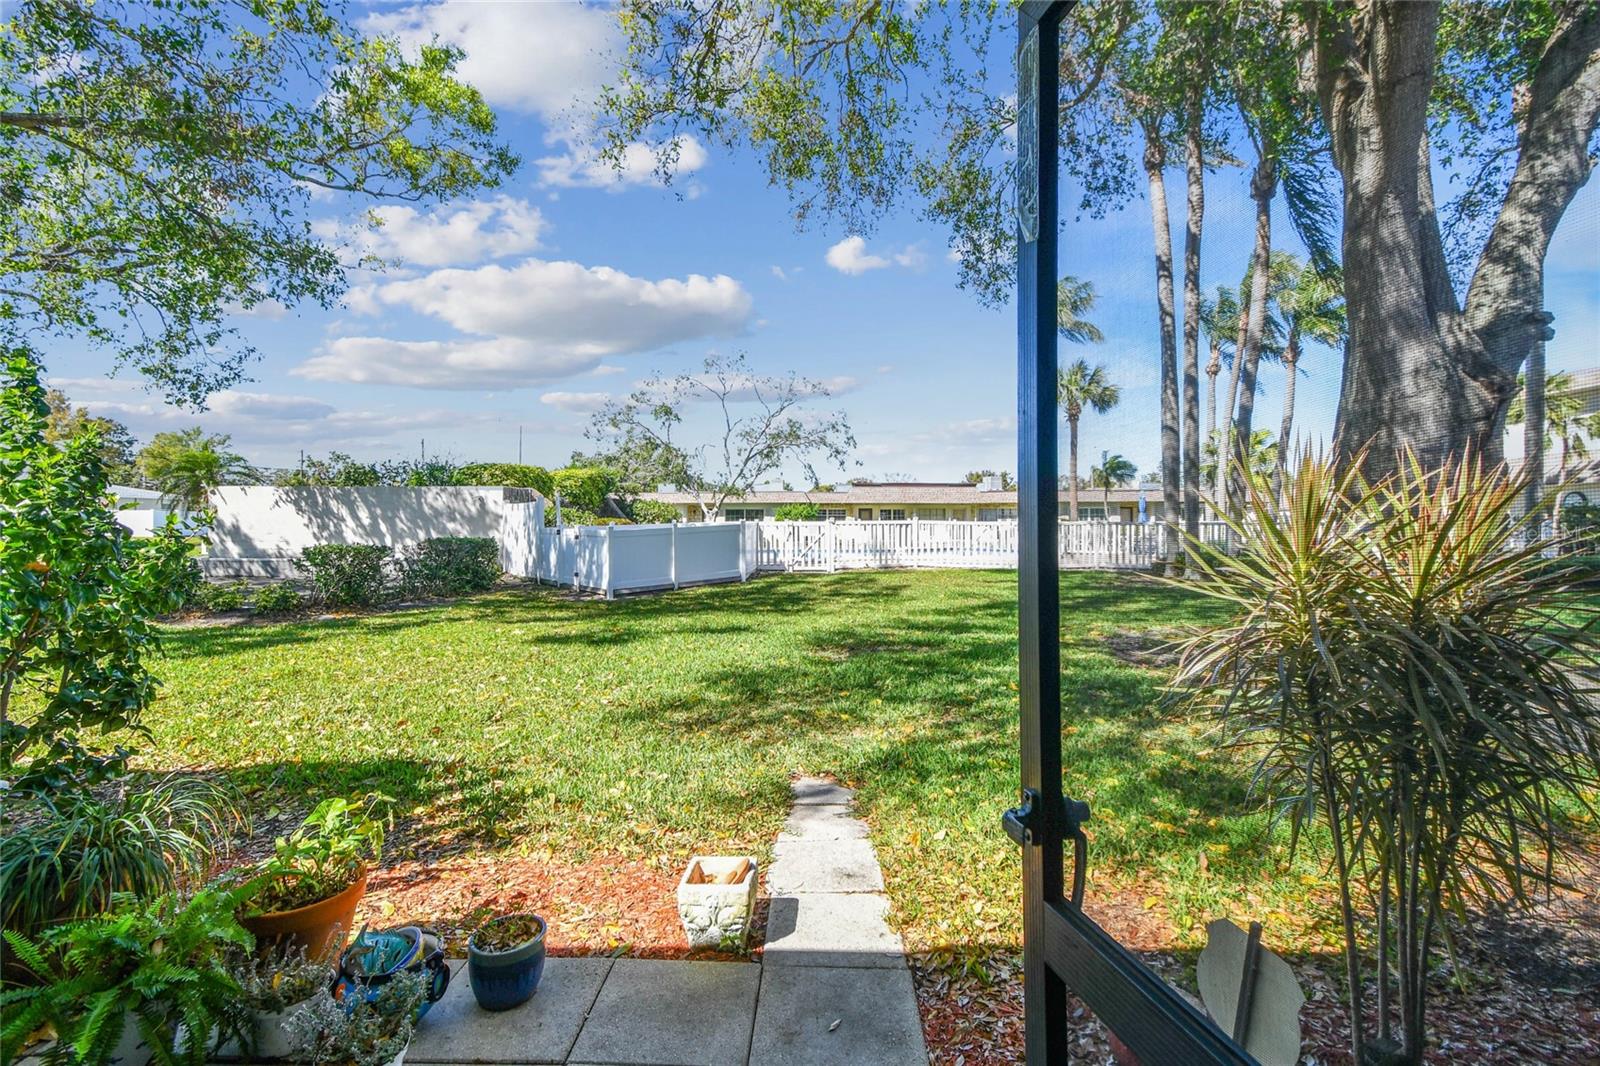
[
  {"x": 505, "y": 959},
  {"x": 274, "y": 984},
  {"x": 362, "y": 1030}
]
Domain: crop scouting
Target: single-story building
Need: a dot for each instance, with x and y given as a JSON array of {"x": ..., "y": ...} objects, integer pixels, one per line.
[
  {"x": 140, "y": 511},
  {"x": 900, "y": 500}
]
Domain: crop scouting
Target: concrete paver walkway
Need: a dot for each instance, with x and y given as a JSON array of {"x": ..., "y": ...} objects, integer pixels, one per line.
[{"x": 832, "y": 988}]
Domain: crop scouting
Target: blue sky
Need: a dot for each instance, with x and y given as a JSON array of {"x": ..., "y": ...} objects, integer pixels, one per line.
[{"x": 526, "y": 307}]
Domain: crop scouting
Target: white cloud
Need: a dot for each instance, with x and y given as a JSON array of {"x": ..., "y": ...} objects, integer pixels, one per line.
[
  {"x": 542, "y": 58},
  {"x": 578, "y": 402},
  {"x": 269, "y": 309},
  {"x": 850, "y": 256},
  {"x": 579, "y": 165},
  {"x": 535, "y": 322},
  {"x": 270, "y": 419},
  {"x": 777, "y": 272},
  {"x": 497, "y": 362},
  {"x": 607, "y": 369},
  {"x": 454, "y": 235}
]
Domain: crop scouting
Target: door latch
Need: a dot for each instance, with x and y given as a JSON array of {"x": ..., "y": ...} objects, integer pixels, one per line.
[{"x": 1022, "y": 824}]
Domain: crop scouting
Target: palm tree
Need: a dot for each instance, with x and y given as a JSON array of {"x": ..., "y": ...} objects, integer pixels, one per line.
[
  {"x": 1312, "y": 304},
  {"x": 1074, "y": 299},
  {"x": 1563, "y": 418},
  {"x": 1077, "y": 387},
  {"x": 1113, "y": 472},
  {"x": 1220, "y": 319},
  {"x": 187, "y": 465}
]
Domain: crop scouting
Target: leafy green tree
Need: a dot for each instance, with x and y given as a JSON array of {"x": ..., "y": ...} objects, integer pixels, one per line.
[
  {"x": 1078, "y": 386},
  {"x": 585, "y": 487},
  {"x": 764, "y": 425},
  {"x": 1113, "y": 472},
  {"x": 159, "y": 161},
  {"x": 516, "y": 475},
  {"x": 797, "y": 512},
  {"x": 116, "y": 441},
  {"x": 338, "y": 469},
  {"x": 836, "y": 97},
  {"x": 79, "y": 597},
  {"x": 186, "y": 465},
  {"x": 654, "y": 511}
]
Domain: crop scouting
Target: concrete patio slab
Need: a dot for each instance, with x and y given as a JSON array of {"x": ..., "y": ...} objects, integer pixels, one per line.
[
  {"x": 812, "y": 791},
  {"x": 542, "y": 1030},
  {"x": 831, "y": 929},
  {"x": 653, "y": 1012},
  {"x": 823, "y": 866},
  {"x": 823, "y": 821},
  {"x": 837, "y": 1017}
]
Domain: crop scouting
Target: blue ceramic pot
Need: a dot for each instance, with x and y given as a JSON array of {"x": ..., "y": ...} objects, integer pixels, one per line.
[{"x": 504, "y": 979}]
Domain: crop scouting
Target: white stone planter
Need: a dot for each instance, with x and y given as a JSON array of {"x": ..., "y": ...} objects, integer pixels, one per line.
[{"x": 716, "y": 897}]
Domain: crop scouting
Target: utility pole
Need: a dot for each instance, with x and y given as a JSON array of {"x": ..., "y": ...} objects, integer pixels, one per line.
[{"x": 519, "y": 445}]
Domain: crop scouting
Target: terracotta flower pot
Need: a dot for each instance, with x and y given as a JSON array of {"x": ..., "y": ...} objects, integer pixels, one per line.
[{"x": 320, "y": 928}]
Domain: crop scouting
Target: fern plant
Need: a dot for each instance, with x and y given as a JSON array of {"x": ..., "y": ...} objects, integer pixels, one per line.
[{"x": 161, "y": 965}]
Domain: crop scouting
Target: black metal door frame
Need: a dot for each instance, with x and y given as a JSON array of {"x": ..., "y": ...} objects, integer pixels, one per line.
[{"x": 1062, "y": 947}]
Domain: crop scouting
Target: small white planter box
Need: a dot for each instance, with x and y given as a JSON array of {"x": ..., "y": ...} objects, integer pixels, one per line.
[{"x": 716, "y": 897}]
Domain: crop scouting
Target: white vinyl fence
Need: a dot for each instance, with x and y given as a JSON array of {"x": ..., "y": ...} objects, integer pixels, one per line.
[{"x": 613, "y": 559}]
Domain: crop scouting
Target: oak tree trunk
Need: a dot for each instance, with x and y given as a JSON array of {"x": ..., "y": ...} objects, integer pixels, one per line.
[{"x": 1422, "y": 370}]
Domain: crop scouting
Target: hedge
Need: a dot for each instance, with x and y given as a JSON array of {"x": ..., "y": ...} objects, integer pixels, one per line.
[
  {"x": 515, "y": 475},
  {"x": 451, "y": 566},
  {"x": 346, "y": 575},
  {"x": 585, "y": 487},
  {"x": 652, "y": 511}
]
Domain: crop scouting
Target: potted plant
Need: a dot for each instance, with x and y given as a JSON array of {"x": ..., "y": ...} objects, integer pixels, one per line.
[
  {"x": 316, "y": 876},
  {"x": 505, "y": 959},
  {"x": 377, "y": 957},
  {"x": 716, "y": 897},
  {"x": 360, "y": 1031},
  {"x": 133, "y": 985},
  {"x": 273, "y": 984}
]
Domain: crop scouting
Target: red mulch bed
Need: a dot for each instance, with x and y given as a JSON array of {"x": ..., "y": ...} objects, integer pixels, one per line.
[
  {"x": 976, "y": 1019},
  {"x": 603, "y": 905}
]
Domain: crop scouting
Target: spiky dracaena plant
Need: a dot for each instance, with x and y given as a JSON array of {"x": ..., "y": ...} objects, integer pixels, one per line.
[{"x": 1423, "y": 681}]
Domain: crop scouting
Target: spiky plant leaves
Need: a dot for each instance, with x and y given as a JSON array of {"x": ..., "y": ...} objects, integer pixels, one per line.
[{"x": 1419, "y": 677}]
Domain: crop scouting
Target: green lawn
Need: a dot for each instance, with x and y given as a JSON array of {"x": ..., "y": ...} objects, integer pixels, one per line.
[{"x": 660, "y": 725}]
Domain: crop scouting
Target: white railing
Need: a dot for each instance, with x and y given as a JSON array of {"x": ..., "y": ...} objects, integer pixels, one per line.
[{"x": 612, "y": 559}]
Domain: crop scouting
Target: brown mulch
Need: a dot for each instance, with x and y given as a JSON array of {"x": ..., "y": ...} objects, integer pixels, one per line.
[
  {"x": 972, "y": 1006},
  {"x": 601, "y": 906}
]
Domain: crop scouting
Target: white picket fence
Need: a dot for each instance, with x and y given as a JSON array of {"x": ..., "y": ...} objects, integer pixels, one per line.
[{"x": 613, "y": 559}]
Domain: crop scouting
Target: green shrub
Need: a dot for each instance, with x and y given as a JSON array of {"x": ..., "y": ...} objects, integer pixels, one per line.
[
  {"x": 279, "y": 598},
  {"x": 89, "y": 590},
  {"x": 223, "y": 597},
  {"x": 585, "y": 486},
  {"x": 652, "y": 511},
  {"x": 451, "y": 566},
  {"x": 346, "y": 575},
  {"x": 516, "y": 475},
  {"x": 163, "y": 963},
  {"x": 64, "y": 855},
  {"x": 797, "y": 512}
]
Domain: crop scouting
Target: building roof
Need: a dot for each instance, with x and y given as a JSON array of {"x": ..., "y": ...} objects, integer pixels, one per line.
[{"x": 938, "y": 494}]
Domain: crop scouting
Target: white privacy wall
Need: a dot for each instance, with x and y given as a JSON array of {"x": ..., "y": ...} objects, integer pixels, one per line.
[
  {"x": 613, "y": 559},
  {"x": 259, "y": 528}
]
